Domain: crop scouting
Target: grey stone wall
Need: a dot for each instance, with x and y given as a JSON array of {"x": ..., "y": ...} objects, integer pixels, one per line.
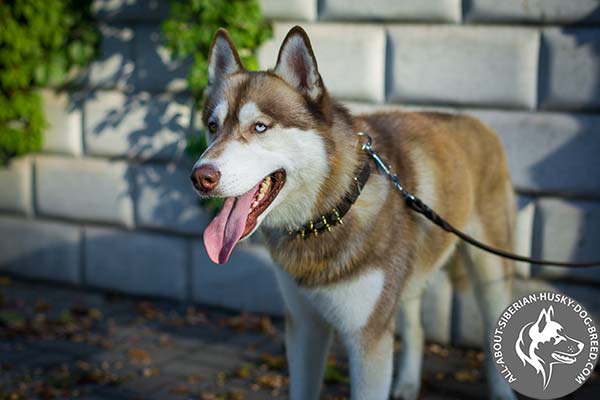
[{"x": 107, "y": 204}]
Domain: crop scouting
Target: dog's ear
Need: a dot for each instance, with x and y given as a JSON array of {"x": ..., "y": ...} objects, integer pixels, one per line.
[
  {"x": 223, "y": 58},
  {"x": 297, "y": 64}
]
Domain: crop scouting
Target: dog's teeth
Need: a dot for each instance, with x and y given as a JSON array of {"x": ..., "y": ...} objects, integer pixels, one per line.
[
  {"x": 261, "y": 196},
  {"x": 255, "y": 203}
]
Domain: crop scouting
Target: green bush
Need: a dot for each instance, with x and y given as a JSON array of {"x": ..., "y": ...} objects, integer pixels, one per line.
[
  {"x": 41, "y": 42},
  {"x": 189, "y": 31}
]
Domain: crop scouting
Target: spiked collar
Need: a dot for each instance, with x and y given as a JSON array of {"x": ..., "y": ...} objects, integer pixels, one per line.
[{"x": 326, "y": 221}]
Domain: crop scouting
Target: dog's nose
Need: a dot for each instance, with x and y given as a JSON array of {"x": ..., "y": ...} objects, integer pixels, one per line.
[{"x": 206, "y": 177}]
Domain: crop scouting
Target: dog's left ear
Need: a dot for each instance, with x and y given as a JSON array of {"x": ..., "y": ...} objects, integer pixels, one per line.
[
  {"x": 297, "y": 64},
  {"x": 223, "y": 58}
]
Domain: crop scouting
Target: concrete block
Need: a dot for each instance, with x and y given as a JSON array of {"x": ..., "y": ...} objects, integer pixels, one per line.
[
  {"x": 15, "y": 181},
  {"x": 533, "y": 11},
  {"x": 40, "y": 250},
  {"x": 467, "y": 322},
  {"x": 167, "y": 200},
  {"x": 245, "y": 282},
  {"x": 63, "y": 113},
  {"x": 130, "y": 10},
  {"x": 141, "y": 126},
  {"x": 392, "y": 10},
  {"x": 462, "y": 65},
  {"x": 351, "y": 58},
  {"x": 84, "y": 189},
  {"x": 569, "y": 64},
  {"x": 155, "y": 70},
  {"x": 293, "y": 10},
  {"x": 549, "y": 152},
  {"x": 136, "y": 263},
  {"x": 523, "y": 232},
  {"x": 567, "y": 231},
  {"x": 114, "y": 67}
]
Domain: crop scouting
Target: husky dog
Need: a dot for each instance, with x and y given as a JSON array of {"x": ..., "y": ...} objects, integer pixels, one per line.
[
  {"x": 543, "y": 343},
  {"x": 286, "y": 158}
]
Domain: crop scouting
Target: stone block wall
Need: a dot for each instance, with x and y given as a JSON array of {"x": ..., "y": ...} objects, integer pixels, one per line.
[{"x": 107, "y": 204}]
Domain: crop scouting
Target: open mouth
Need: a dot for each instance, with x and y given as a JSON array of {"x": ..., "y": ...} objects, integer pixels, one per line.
[
  {"x": 239, "y": 216},
  {"x": 268, "y": 189},
  {"x": 563, "y": 358}
]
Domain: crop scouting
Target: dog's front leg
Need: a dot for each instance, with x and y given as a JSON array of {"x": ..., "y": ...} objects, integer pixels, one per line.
[
  {"x": 371, "y": 359},
  {"x": 408, "y": 381},
  {"x": 307, "y": 339}
]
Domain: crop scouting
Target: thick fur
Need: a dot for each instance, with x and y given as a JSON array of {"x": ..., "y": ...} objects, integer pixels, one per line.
[{"x": 354, "y": 279}]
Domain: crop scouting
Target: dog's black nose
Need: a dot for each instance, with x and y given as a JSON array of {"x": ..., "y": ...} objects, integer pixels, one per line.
[{"x": 206, "y": 177}]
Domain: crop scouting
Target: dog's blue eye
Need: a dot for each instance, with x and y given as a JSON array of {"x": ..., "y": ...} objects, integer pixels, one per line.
[{"x": 260, "y": 127}]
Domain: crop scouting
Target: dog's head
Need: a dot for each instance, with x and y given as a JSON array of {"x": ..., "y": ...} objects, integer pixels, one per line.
[
  {"x": 544, "y": 343},
  {"x": 266, "y": 139}
]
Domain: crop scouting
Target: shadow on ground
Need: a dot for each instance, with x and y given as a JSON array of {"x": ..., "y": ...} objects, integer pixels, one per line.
[{"x": 66, "y": 343}]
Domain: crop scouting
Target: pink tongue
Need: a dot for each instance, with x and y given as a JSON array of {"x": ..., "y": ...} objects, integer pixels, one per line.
[{"x": 224, "y": 231}]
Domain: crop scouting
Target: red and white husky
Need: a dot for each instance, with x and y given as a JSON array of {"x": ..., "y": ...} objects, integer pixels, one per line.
[{"x": 286, "y": 158}]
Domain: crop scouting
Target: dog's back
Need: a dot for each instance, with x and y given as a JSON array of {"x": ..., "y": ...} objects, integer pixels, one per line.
[{"x": 456, "y": 165}]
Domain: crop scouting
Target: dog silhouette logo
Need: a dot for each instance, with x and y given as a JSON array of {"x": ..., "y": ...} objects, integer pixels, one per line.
[{"x": 544, "y": 343}]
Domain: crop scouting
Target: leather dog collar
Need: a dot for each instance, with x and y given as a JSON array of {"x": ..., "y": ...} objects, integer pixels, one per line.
[{"x": 326, "y": 221}]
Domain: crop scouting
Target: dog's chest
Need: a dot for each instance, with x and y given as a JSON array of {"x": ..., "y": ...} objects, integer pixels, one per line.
[{"x": 348, "y": 305}]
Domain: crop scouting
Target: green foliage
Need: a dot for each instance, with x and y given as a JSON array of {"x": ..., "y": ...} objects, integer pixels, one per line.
[
  {"x": 192, "y": 23},
  {"x": 41, "y": 42},
  {"x": 189, "y": 31}
]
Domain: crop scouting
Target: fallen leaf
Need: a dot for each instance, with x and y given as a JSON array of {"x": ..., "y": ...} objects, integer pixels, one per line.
[
  {"x": 139, "y": 357},
  {"x": 181, "y": 389},
  {"x": 273, "y": 361},
  {"x": 193, "y": 379},
  {"x": 245, "y": 370},
  {"x": 12, "y": 319},
  {"x": 150, "y": 371},
  {"x": 272, "y": 381},
  {"x": 41, "y": 306}
]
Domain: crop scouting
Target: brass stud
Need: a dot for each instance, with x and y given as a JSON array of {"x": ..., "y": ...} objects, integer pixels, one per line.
[
  {"x": 337, "y": 216},
  {"x": 326, "y": 223}
]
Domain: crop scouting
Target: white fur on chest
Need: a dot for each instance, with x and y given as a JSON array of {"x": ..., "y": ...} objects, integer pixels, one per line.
[{"x": 348, "y": 305}]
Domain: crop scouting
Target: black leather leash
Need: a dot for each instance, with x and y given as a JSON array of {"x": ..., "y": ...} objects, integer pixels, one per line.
[{"x": 415, "y": 204}]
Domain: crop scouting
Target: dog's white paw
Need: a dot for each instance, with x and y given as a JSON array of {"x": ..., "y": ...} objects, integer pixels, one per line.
[{"x": 406, "y": 391}]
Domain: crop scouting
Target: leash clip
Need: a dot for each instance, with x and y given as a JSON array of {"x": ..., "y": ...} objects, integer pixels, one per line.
[
  {"x": 382, "y": 166},
  {"x": 367, "y": 145}
]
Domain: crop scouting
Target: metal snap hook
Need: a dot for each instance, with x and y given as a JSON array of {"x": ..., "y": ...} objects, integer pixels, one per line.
[{"x": 366, "y": 145}]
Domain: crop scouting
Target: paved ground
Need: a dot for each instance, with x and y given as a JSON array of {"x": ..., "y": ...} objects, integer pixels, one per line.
[{"x": 57, "y": 342}]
